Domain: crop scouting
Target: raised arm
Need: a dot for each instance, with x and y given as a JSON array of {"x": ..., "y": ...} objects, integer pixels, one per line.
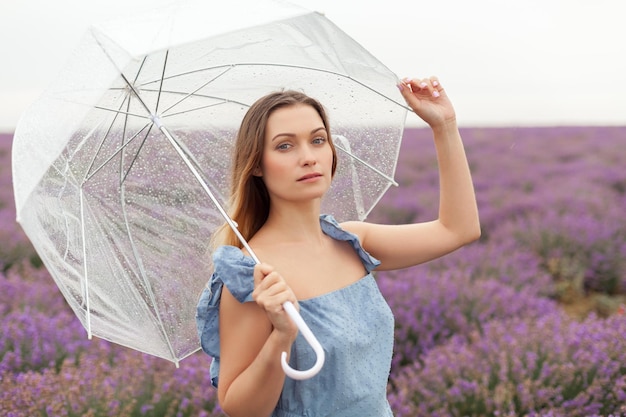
[{"x": 401, "y": 246}]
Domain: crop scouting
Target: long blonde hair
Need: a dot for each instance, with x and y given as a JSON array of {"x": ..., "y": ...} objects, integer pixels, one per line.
[{"x": 249, "y": 200}]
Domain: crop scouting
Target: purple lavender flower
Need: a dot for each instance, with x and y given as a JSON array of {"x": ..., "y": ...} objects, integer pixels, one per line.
[
  {"x": 431, "y": 307},
  {"x": 521, "y": 366}
]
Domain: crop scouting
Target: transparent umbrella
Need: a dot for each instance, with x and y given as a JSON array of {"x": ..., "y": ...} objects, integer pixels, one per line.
[{"x": 120, "y": 168}]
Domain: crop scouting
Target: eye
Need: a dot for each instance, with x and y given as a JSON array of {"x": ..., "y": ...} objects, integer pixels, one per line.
[
  {"x": 283, "y": 146},
  {"x": 319, "y": 140}
]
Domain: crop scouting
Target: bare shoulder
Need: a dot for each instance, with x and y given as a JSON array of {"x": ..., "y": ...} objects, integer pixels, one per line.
[
  {"x": 355, "y": 227},
  {"x": 365, "y": 230}
]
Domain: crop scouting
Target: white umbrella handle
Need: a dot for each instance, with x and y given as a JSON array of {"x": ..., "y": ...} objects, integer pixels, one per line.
[{"x": 310, "y": 337}]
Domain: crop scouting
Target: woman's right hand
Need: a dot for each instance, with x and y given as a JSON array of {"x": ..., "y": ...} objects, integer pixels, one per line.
[{"x": 270, "y": 293}]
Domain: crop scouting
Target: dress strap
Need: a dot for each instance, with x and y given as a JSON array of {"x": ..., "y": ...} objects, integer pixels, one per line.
[{"x": 331, "y": 227}]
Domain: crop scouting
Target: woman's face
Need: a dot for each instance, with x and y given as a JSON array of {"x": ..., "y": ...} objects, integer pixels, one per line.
[{"x": 297, "y": 157}]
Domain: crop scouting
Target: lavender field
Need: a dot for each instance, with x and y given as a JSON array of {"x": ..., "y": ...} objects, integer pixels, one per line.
[{"x": 529, "y": 321}]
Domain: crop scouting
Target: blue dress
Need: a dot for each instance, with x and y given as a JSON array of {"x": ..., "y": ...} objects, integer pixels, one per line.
[{"x": 353, "y": 324}]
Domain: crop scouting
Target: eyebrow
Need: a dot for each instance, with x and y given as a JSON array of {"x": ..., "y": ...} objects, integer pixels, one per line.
[{"x": 293, "y": 135}]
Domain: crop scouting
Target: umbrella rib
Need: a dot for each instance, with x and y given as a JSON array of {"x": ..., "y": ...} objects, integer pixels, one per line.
[
  {"x": 143, "y": 142},
  {"x": 123, "y": 177},
  {"x": 356, "y": 185},
  {"x": 104, "y": 138},
  {"x": 126, "y": 113},
  {"x": 118, "y": 151},
  {"x": 124, "y": 130},
  {"x": 158, "y": 100},
  {"x": 334, "y": 73},
  {"x": 203, "y": 107},
  {"x": 193, "y": 93},
  {"x": 359, "y": 160},
  {"x": 136, "y": 93},
  {"x": 85, "y": 269}
]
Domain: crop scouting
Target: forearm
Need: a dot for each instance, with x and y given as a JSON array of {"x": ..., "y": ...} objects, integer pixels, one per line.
[
  {"x": 255, "y": 392},
  {"x": 458, "y": 210}
]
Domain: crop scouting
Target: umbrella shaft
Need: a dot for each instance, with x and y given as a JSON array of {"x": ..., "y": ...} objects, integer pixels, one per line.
[
  {"x": 288, "y": 306},
  {"x": 204, "y": 185}
]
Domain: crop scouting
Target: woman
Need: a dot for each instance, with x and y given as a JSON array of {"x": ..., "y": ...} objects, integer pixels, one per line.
[{"x": 285, "y": 160}]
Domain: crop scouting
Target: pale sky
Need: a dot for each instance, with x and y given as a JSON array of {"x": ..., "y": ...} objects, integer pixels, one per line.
[{"x": 504, "y": 63}]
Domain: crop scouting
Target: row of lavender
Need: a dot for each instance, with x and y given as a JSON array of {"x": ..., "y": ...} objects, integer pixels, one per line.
[{"x": 487, "y": 330}]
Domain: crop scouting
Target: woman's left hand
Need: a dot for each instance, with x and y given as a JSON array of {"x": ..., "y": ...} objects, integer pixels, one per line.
[{"x": 428, "y": 100}]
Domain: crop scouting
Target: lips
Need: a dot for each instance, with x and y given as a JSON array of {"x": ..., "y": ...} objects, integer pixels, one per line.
[{"x": 309, "y": 176}]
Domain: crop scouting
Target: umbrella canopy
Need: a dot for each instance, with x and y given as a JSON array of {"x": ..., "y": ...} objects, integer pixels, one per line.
[{"x": 120, "y": 167}]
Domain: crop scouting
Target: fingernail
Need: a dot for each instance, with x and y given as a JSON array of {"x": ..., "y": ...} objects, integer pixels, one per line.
[
  {"x": 435, "y": 83},
  {"x": 435, "y": 93},
  {"x": 423, "y": 84},
  {"x": 400, "y": 86}
]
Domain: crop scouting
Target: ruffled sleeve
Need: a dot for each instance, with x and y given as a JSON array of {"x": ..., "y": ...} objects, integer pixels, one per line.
[
  {"x": 234, "y": 270},
  {"x": 331, "y": 227}
]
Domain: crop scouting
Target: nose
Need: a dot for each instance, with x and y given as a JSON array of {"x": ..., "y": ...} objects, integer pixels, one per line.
[{"x": 307, "y": 156}]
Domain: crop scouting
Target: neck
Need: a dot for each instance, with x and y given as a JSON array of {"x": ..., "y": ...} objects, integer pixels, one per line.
[{"x": 295, "y": 223}]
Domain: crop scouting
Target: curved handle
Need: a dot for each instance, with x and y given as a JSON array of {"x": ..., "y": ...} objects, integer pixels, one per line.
[{"x": 310, "y": 337}]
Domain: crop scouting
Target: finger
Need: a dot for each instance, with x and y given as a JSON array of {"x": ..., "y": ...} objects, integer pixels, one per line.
[
  {"x": 423, "y": 87},
  {"x": 406, "y": 88},
  {"x": 437, "y": 88},
  {"x": 415, "y": 84},
  {"x": 274, "y": 303},
  {"x": 273, "y": 298},
  {"x": 264, "y": 268},
  {"x": 430, "y": 85},
  {"x": 272, "y": 284},
  {"x": 260, "y": 272},
  {"x": 411, "y": 91},
  {"x": 420, "y": 85}
]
